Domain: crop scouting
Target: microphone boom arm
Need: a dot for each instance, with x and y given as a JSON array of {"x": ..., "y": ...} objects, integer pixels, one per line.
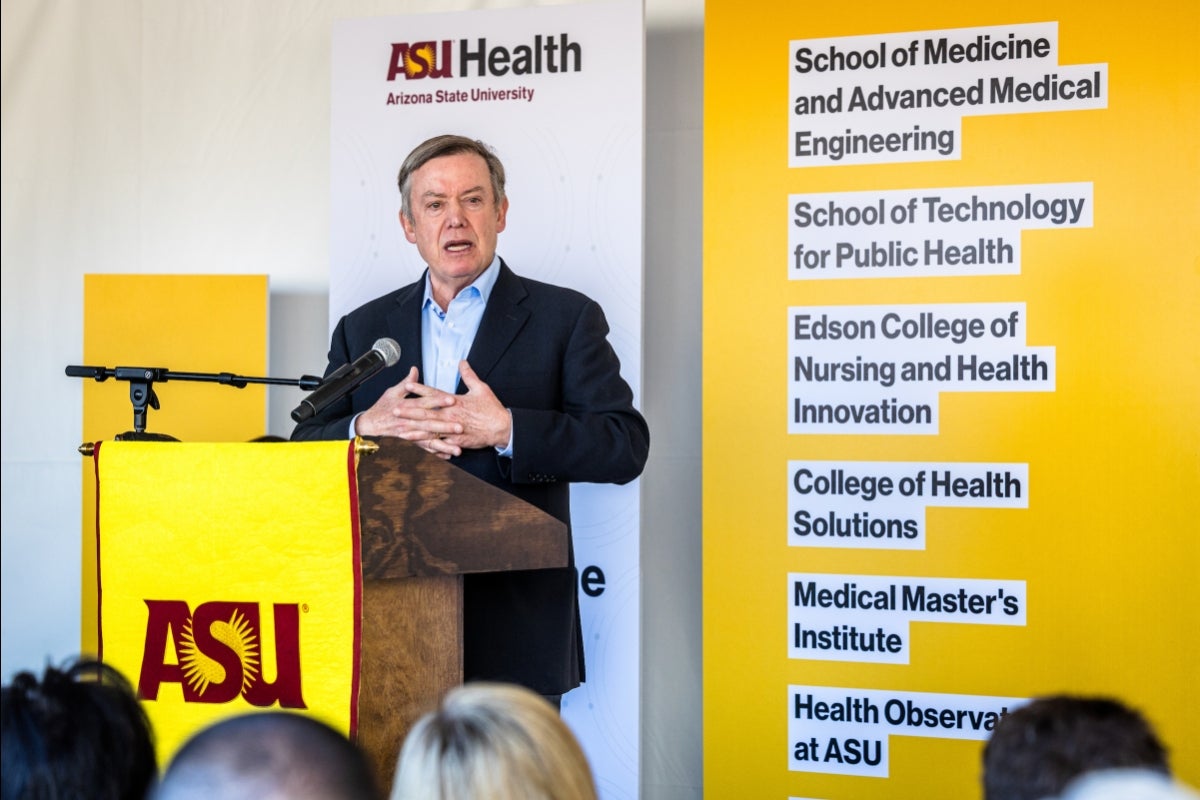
[{"x": 141, "y": 387}]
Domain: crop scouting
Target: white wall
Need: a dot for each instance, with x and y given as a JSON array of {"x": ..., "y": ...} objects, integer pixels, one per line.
[{"x": 177, "y": 137}]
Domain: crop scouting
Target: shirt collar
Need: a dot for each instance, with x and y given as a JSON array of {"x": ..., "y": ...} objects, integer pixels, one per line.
[{"x": 483, "y": 284}]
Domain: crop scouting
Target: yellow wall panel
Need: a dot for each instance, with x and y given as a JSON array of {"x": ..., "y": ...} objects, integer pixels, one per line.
[
  {"x": 183, "y": 323},
  {"x": 1100, "y": 547}
]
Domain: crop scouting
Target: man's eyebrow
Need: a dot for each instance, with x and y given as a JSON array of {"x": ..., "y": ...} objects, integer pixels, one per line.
[{"x": 463, "y": 193}]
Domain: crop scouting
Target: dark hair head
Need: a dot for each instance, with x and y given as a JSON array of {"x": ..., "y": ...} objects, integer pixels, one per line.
[
  {"x": 447, "y": 145},
  {"x": 1039, "y": 748},
  {"x": 268, "y": 754},
  {"x": 78, "y": 732}
]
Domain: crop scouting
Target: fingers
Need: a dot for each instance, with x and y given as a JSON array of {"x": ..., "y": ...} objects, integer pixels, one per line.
[
  {"x": 422, "y": 412},
  {"x": 472, "y": 381},
  {"x": 415, "y": 430},
  {"x": 419, "y": 403},
  {"x": 438, "y": 446},
  {"x": 439, "y": 422},
  {"x": 469, "y": 378},
  {"x": 429, "y": 396},
  {"x": 410, "y": 410}
]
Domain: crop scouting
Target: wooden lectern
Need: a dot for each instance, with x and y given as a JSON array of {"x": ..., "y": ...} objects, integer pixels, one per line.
[{"x": 424, "y": 524}]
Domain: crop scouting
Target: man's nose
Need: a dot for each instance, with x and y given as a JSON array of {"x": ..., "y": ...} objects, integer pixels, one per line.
[{"x": 456, "y": 215}]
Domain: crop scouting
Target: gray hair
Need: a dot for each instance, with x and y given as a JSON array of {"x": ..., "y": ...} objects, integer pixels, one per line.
[{"x": 447, "y": 145}]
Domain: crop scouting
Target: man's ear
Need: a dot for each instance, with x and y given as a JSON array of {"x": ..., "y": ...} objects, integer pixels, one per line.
[
  {"x": 410, "y": 232},
  {"x": 502, "y": 216}
]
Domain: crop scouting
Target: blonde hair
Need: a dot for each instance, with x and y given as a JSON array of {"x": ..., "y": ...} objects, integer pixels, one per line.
[{"x": 490, "y": 741}]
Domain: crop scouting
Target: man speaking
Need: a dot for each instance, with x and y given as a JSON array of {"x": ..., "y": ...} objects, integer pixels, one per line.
[{"x": 510, "y": 379}]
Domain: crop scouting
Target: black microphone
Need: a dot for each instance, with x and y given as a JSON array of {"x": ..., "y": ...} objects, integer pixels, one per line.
[{"x": 384, "y": 353}]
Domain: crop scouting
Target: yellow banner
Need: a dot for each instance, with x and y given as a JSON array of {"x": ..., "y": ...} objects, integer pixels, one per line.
[
  {"x": 952, "y": 398},
  {"x": 229, "y": 579}
]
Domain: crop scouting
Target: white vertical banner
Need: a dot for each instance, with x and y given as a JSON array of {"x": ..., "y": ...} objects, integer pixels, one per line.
[{"x": 557, "y": 91}]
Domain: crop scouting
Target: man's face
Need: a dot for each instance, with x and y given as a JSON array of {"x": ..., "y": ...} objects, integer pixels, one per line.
[{"x": 455, "y": 219}]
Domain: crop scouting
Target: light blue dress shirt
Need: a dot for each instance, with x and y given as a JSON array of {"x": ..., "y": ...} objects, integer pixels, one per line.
[{"x": 446, "y": 336}]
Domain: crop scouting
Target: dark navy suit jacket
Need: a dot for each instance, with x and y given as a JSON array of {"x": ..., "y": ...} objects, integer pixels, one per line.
[{"x": 544, "y": 351}]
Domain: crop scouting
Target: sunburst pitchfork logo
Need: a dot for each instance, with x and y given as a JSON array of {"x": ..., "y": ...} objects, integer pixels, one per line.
[
  {"x": 418, "y": 60},
  {"x": 236, "y": 634},
  {"x": 218, "y": 653}
]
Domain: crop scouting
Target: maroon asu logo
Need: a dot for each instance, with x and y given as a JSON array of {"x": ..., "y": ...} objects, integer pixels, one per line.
[
  {"x": 420, "y": 60},
  {"x": 218, "y": 653}
]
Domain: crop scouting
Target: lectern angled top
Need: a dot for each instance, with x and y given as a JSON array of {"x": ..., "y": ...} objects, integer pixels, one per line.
[{"x": 421, "y": 516}]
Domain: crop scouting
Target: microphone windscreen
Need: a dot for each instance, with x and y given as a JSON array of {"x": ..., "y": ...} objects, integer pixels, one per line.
[{"x": 389, "y": 349}]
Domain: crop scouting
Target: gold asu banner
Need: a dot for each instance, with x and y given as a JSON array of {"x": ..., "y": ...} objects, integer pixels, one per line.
[
  {"x": 951, "y": 258},
  {"x": 229, "y": 579}
]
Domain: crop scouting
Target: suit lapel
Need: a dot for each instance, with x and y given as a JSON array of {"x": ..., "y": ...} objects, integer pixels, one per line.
[
  {"x": 502, "y": 320},
  {"x": 404, "y": 322}
]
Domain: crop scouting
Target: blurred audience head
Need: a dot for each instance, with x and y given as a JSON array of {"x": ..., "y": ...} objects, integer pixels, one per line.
[
  {"x": 78, "y": 731},
  {"x": 1127, "y": 784},
  {"x": 1038, "y": 749},
  {"x": 268, "y": 756},
  {"x": 494, "y": 742}
]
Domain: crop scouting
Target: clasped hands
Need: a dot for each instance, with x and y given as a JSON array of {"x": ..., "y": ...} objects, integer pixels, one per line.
[{"x": 441, "y": 423}]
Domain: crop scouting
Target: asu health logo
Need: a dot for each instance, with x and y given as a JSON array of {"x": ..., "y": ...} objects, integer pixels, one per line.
[
  {"x": 545, "y": 53},
  {"x": 218, "y": 653}
]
